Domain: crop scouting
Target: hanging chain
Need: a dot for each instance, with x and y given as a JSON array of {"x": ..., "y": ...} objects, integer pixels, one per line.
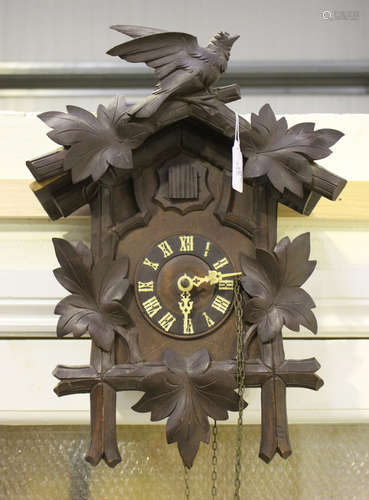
[
  {"x": 238, "y": 307},
  {"x": 214, "y": 461},
  {"x": 187, "y": 485}
]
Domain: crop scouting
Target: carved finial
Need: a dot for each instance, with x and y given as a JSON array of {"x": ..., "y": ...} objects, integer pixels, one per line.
[{"x": 181, "y": 66}]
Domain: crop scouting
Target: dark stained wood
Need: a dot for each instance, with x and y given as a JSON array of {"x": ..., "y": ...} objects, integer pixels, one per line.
[
  {"x": 154, "y": 173},
  {"x": 103, "y": 397},
  {"x": 165, "y": 223},
  {"x": 284, "y": 155},
  {"x": 136, "y": 214},
  {"x": 304, "y": 205},
  {"x": 47, "y": 166},
  {"x": 265, "y": 212},
  {"x": 60, "y": 197},
  {"x": 126, "y": 220},
  {"x": 183, "y": 182},
  {"x": 226, "y": 213},
  {"x": 326, "y": 183},
  {"x": 181, "y": 66},
  {"x": 273, "y": 381},
  {"x": 103, "y": 248},
  {"x": 103, "y": 426},
  {"x": 274, "y": 374},
  {"x": 190, "y": 391},
  {"x": 182, "y": 192},
  {"x": 229, "y": 93}
]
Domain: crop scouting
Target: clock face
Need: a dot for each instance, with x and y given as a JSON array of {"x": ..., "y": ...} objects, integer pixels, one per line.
[{"x": 184, "y": 286}]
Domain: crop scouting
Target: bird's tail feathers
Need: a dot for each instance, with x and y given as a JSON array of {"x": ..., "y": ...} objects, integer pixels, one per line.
[{"x": 148, "y": 106}]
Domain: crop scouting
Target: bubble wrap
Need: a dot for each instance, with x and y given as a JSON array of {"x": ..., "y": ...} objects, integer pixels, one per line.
[{"x": 46, "y": 463}]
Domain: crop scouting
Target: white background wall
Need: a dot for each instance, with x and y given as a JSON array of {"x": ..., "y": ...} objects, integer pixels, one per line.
[
  {"x": 75, "y": 32},
  {"x": 273, "y": 33}
]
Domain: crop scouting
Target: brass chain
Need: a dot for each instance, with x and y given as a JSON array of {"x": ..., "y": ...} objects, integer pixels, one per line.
[
  {"x": 238, "y": 307},
  {"x": 186, "y": 482},
  {"x": 214, "y": 460}
]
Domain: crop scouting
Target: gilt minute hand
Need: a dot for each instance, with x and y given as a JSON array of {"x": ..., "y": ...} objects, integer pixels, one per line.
[{"x": 213, "y": 277}]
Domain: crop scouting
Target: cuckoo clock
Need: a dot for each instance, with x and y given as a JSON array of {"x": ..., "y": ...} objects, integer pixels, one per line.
[{"x": 184, "y": 289}]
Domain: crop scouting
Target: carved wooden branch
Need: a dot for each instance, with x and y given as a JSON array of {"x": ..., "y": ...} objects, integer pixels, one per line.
[
  {"x": 158, "y": 164},
  {"x": 272, "y": 378}
]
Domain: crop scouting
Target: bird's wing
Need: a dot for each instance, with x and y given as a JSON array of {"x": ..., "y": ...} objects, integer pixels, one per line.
[
  {"x": 176, "y": 80},
  {"x": 165, "y": 52},
  {"x": 136, "y": 31}
]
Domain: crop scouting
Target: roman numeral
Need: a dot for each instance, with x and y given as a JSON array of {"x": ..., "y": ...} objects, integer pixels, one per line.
[
  {"x": 148, "y": 262},
  {"x": 188, "y": 326},
  {"x": 145, "y": 287},
  {"x": 220, "y": 304},
  {"x": 226, "y": 285},
  {"x": 167, "y": 321},
  {"x": 186, "y": 243},
  {"x": 152, "y": 306},
  {"x": 220, "y": 263},
  {"x": 165, "y": 248},
  {"x": 208, "y": 319},
  {"x": 207, "y": 248}
]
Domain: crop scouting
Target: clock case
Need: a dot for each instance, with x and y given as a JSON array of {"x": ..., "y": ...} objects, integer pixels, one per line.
[{"x": 172, "y": 174}]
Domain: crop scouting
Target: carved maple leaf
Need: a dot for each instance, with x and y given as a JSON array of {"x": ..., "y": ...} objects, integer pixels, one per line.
[
  {"x": 283, "y": 154},
  {"x": 96, "y": 142},
  {"x": 274, "y": 279},
  {"x": 188, "y": 392},
  {"x": 97, "y": 289}
]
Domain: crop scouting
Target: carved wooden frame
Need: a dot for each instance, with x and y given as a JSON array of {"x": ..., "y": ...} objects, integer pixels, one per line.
[{"x": 279, "y": 168}]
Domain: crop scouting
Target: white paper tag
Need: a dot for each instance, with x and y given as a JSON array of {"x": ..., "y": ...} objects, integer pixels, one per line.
[{"x": 237, "y": 160}]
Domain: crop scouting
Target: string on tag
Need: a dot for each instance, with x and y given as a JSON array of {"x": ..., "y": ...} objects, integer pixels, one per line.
[
  {"x": 237, "y": 128},
  {"x": 237, "y": 159}
]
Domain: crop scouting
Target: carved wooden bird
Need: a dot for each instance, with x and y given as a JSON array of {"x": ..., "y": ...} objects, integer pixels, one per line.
[{"x": 181, "y": 66}]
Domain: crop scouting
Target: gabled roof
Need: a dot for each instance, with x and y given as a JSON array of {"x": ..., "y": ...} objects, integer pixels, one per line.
[{"x": 200, "y": 125}]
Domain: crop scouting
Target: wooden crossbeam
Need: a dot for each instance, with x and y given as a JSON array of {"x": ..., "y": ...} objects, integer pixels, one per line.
[
  {"x": 274, "y": 381},
  {"x": 103, "y": 387}
]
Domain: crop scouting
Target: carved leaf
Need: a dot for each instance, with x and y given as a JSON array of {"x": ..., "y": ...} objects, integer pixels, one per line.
[
  {"x": 96, "y": 291},
  {"x": 188, "y": 393},
  {"x": 283, "y": 154},
  {"x": 273, "y": 280},
  {"x": 96, "y": 142}
]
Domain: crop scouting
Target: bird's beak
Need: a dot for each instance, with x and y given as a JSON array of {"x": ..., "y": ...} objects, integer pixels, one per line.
[{"x": 232, "y": 39}]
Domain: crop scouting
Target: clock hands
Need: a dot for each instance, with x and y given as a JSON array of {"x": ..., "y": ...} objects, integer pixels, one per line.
[
  {"x": 185, "y": 284},
  {"x": 213, "y": 277},
  {"x": 185, "y": 305}
]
